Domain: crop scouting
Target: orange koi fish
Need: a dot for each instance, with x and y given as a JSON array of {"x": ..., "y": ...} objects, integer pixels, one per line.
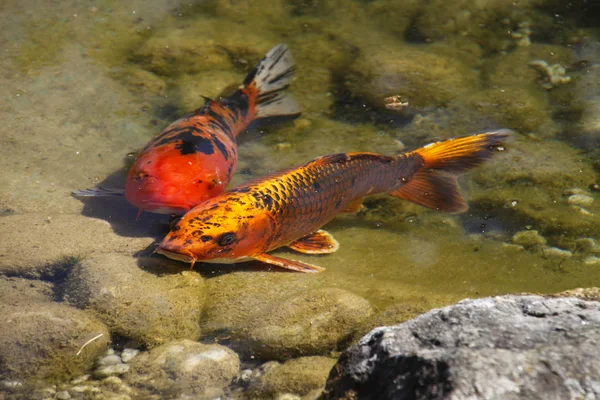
[
  {"x": 194, "y": 158},
  {"x": 288, "y": 208}
]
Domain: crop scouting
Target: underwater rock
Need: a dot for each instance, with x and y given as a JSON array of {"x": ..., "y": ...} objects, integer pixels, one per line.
[
  {"x": 193, "y": 48},
  {"x": 529, "y": 183},
  {"x": 16, "y": 291},
  {"x": 586, "y": 101},
  {"x": 43, "y": 244},
  {"x": 310, "y": 323},
  {"x": 511, "y": 68},
  {"x": 488, "y": 21},
  {"x": 423, "y": 78},
  {"x": 48, "y": 341},
  {"x": 494, "y": 348},
  {"x": 135, "y": 303},
  {"x": 184, "y": 368},
  {"x": 515, "y": 107},
  {"x": 299, "y": 376},
  {"x": 528, "y": 238}
]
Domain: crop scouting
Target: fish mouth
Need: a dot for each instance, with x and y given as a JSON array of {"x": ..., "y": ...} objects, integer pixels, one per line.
[{"x": 177, "y": 256}]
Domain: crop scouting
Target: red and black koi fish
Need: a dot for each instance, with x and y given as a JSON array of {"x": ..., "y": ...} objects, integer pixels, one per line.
[
  {"x": 195, "y": 157},
  {"x": 288, "y": 208}
]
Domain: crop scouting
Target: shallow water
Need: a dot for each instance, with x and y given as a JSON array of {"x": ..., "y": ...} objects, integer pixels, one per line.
[{"x": 84, "y": 84}]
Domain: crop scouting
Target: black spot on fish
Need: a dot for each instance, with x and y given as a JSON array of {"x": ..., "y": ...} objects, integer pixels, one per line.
[
  {"x": 189, "y": 142},
  {"x": 317, "y": 186},
  {"x": 221, "y": 146},
  {"x": 205, "y": 238},
  {"x": 267, "y": 201}
]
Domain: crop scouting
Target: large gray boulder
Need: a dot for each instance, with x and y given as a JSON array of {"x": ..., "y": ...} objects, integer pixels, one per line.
[{"x": 509, "y": 347}]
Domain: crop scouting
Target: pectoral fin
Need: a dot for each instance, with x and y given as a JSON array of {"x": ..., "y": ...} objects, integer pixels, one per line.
[
  {"x": 319, "y": 242},
  {"x": 287, "y": 264},
  {"x": 98, "y": 192},
  {"x": 354, "y": 206}
]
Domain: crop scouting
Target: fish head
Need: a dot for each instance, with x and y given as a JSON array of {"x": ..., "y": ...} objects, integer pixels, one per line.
[
  {"x": 173, "y": 185},
  {"x": 220, "y": 230}
]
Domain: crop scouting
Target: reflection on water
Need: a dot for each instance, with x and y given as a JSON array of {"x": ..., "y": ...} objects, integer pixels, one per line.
[{"x": 84, "y": 84}]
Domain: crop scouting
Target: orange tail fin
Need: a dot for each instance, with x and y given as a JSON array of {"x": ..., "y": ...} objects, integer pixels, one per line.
[{"x": 434, "y": 185}]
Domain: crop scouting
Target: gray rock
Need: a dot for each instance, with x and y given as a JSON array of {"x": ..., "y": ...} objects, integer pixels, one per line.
[
  {"x": 49, "y": 341},
  {"x": 309, "y": 323},
  {"x": 185, "y": 367},
  {"x": 39, "y": 244},
  {"x": 138, "y": 304},
  {"x": 509, "y": 347}
]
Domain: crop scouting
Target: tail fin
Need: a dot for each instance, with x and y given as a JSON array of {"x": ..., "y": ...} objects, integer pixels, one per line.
[
  {"x": 271, "y": 77},
  {"x": 434, "y": 185}
]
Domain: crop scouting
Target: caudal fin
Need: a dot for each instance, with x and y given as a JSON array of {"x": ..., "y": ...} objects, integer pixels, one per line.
[
  {"x": 434, "y": 185},
  {"x": 270, "y": 78}
]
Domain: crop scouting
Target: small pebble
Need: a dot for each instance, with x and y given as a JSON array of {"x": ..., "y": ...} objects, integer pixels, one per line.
[
  {"x": 11, "y": 384},
  {"x": 528, "y": 238},
  {"x": 118, "y": 369},
  {"x": 81, "y": 388},
  {"x": 246, "y": 375},
  {"x": 571, "y": 191},
  {"x": 581, "y": 210},
  {"x": 591, "y": 260},
  {"x": 580, "y": 199},
  {"x": 556, "y": 252},
  {"x": 79, "y": 380},
  {"x": 112, "y": 359},
  {"x": 128, "y": 354},
  {"x": 588, "y": 245},
  {"x": 64, "y": 395}
]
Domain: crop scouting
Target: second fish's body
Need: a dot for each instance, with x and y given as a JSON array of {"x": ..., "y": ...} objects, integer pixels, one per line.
[
  {"x": 288, "y": 208},
  {"x": 195, "y": 157}
]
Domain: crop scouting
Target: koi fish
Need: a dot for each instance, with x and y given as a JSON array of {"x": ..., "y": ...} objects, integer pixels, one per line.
[
  {"x": 194, "y": 158},
  {"x": 289, "y": 208}
]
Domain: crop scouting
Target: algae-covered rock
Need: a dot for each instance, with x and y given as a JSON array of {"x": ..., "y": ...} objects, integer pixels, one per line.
[
  {"x": 43, "y": 244},
  {"x": 137, "y": 304},
  {"x": 48, "y": 341},
  {"x": 513, "y": 107},
  {"x": 16, "y": 291},
  {"x": 589, "y": 294},
  {"x": 531, "y": 181},
  {"x": 191, "y": 88},
  {"x": 310, "y": 323},
  {"x": 300, "y": 376},
  {"x": 421, "y": 77},
  {"x": 512, "y": 68},
  {"x": 185, "y": 368},
  {"x": 197, "y": 46},
  {"x": 488, "y": 21}
]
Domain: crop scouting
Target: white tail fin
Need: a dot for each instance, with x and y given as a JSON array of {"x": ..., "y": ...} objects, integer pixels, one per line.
[{"x": 271, "y": 78}]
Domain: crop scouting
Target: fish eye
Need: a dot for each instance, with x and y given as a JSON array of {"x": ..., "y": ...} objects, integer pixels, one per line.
[{"x": 226, "y": 238}]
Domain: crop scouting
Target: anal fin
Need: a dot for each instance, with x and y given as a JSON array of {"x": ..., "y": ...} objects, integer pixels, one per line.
[
  {"x": 293, "y": 265},
  {"x": 433, "y": 189},
  {"x": 318, "y": 242}
]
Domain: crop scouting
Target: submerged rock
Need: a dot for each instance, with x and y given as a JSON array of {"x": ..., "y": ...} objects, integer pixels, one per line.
[
  {"x": 309, "y": 323},
  {"x": 48, "y": 341},
  {"x": 137, "y": 304},
  {"x": 301, "y": 376},
  {"x": 421, "y": 77},
  {"x": 496, "y": 348},
  {"x": 42, "y": 244},
  {"x": 185, "y": 368}
]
